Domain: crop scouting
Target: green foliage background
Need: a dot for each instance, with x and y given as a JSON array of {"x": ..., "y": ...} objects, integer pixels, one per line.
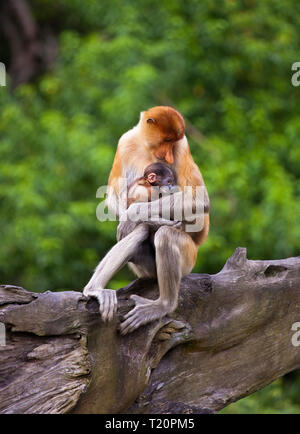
[{"x": 226, "y": 65}]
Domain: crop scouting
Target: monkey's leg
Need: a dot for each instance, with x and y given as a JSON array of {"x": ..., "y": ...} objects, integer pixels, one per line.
[
  {"x": 143, "y": 262},
  {"x": 126, "y": 227},
  {"x": 115, "y": 259},
  {"x": 175, "y": 254}
]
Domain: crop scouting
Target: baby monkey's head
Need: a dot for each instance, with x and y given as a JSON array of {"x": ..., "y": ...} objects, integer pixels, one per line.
[
  {"x": 159, "y": 175},
  {"x": 158, "y": 180}
]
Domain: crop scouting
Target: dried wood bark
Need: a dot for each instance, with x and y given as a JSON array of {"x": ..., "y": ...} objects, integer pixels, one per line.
[{"x": 230, "y": 336}]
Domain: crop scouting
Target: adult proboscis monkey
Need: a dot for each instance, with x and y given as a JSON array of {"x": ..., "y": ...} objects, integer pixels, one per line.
[{"x": 158, "y": 137}]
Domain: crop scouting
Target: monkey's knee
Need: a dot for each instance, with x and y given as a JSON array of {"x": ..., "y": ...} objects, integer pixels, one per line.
[
  {"x": 142, "y": 228},
  {"x": 139, "y": 234},
  {"x": 165, "y": 238},
  {"x": 177, "y": 248},
  {"x": 167, "y": 250},
  {"x": 129, "y": 230}
]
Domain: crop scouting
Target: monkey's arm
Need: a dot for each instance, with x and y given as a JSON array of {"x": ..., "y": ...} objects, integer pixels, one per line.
[
  {"x": 116, "y": 198},
  {"x": 125, "y": 227},
  {"x": 115, "y": 259},
  {"x": 180, "y": 206}
]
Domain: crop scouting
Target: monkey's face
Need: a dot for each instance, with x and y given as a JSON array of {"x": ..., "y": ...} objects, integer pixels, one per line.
[
  {"x": 162, "y": 127},
  {"x": 165, "y": 183},
  {"x": 158, "y": 180}
]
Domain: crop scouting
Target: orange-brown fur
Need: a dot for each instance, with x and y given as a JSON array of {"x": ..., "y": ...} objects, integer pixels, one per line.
[
  {"x": 165, "y": 251},
  {"x": 161, "y": 139}
]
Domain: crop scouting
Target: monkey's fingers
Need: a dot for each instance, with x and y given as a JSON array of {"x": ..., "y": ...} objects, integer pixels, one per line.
[
  {"x": 113, "y": 305},
  {"x": 88, "y": 291},
  {"x": 163, "y": 222},
  {"x": 107, "y": 304},
  {"x": 103, "y": 307},
  {"x": 177, "y": 225}
]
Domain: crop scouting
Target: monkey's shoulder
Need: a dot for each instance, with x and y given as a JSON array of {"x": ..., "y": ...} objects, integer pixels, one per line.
[{"x": 128, "y": 140}]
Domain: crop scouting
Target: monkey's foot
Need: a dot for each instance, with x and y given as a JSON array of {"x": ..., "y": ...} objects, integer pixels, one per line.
[
  {"x": 144, "y": 312},
  {"x": 107, "y": 299}
]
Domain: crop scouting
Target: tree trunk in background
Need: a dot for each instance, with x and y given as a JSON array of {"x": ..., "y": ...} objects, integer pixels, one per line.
[
  {"x": 32, "y": 50},
  {"x": 230, "y": 336}
]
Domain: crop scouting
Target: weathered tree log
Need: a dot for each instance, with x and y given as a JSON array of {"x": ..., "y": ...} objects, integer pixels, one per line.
[{"x": 230, "y": 336}]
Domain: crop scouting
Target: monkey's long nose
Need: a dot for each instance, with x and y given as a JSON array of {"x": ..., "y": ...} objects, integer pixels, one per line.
[{"x": 169, "y": 157}]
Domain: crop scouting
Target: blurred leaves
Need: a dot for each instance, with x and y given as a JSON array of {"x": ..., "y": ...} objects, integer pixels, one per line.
[
  {"x": 280, "y": 397},
  {"x": 226, "y": 65}
]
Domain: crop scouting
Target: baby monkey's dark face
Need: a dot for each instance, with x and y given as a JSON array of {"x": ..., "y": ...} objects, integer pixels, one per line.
[{"x": 159, "y": 175}]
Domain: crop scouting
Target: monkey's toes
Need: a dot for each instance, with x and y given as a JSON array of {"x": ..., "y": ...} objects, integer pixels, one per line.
[{"x": 140, "y": 301}]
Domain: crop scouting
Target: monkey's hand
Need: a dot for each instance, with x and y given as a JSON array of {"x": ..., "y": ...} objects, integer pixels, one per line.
[
  {"x": 125, "y": 228},
  {"x": 144, "y": 312},
  {"x": 155, "y": 224},
  {"x": 107, "y": 299}
]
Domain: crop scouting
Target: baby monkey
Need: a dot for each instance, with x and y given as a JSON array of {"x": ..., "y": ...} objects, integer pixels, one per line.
[{"x": 158, "y": 180}]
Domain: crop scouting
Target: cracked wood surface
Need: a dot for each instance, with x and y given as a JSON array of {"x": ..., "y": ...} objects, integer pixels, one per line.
[{"x": 230, "y": 336}]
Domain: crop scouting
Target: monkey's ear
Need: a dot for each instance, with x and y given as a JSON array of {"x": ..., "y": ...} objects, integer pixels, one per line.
[
  {"x": 152, "y": 177},
  {"x": 151, "y": 121}
]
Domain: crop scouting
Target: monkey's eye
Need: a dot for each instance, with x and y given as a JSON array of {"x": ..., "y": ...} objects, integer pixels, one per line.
[{"x": 168, "y": 139}]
